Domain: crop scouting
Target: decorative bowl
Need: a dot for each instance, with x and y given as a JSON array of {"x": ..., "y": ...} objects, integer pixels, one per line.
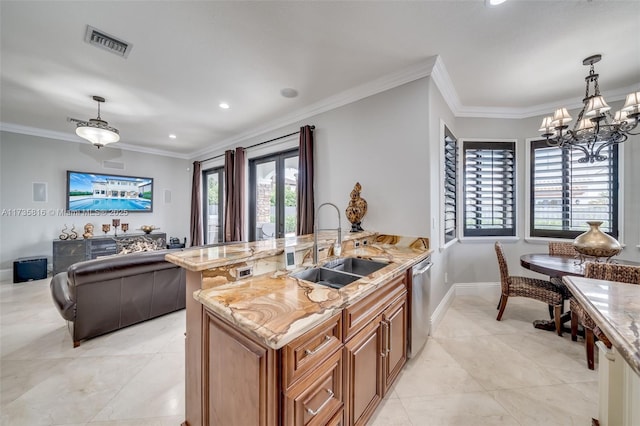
[{"x": 148, "y": 228}]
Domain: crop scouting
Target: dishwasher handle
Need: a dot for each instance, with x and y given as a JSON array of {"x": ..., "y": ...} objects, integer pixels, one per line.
[{"x": 422, "y": 270}]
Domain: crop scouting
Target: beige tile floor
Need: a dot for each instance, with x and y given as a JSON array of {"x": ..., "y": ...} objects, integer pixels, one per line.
[{"x": 473, "y": 370}]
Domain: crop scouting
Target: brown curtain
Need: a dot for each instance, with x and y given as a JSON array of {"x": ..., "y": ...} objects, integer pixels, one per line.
[
  {"x": 196, "y": 205},
  {"x": 228, "y": 195},
  {"x": 305, "y": 207},
  {"x": 239, "y": 195}
]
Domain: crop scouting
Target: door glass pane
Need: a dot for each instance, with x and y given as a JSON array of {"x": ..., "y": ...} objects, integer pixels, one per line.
[
  {"x": 213, "y": 233},
  {"x": 290, "y": 195},
  {"x": 265, "y": 200}
]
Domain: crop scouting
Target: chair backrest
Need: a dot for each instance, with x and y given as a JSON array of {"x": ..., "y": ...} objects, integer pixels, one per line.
[
  {"x": 564, "y": 249},
  {"x": 612, "y": 272},
  {"x": 502, "y": 264}
]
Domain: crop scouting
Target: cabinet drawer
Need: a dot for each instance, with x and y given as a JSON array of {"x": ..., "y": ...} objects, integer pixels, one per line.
[
  {"x": 337, "y": 420},
  {"x": 305, "y": 353},
  {"x": 315, "y": 399},
  {"x": 362, "y": 312}
]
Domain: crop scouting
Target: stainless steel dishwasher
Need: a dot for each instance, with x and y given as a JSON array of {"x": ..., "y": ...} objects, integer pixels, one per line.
[{"x": 420, "y": 290}]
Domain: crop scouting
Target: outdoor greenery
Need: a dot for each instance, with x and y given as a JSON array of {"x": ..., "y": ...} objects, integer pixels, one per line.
[
  {"x": 289, "y": 223},
  {"x": 290, "y": 197},
  {"x": 76, "y": 193},
  {"x": 213, "y": 192},
  {"x": 146, "y": 195}
]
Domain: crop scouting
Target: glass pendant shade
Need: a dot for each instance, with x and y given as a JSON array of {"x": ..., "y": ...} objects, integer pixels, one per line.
[{"x": 97, "y": 132}]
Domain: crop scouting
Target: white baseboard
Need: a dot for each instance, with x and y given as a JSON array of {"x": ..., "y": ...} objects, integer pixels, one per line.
[
  {"x": 6, "y": 274},
  {"x": 475, "y": 289},
  {"x": 461, "y": 289},
  {"x": 441, "y": 309}
]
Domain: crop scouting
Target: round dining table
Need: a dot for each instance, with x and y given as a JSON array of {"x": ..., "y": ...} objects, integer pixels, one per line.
[{"x": 559, "y": 266}]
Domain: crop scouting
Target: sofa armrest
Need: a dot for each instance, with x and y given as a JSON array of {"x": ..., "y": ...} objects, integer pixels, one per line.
[{"x": 62, "y": 296}]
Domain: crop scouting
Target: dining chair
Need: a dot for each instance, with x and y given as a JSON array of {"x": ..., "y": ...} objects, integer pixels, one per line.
[
  {"x": 561, "y": 249},
  {"x": 600, "y": 271},
  {"x": 533, "y": 288}
]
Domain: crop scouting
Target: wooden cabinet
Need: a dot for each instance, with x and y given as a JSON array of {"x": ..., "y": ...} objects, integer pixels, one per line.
[
  {"x": 363, "y": 373},
  {"x": 376, "y": 353},
  {"x": 239, "y": 377},
  {"x": 315, "y": 399},
  {"x": 395, "y": 320},
  {"x": 334, "y": 374}
]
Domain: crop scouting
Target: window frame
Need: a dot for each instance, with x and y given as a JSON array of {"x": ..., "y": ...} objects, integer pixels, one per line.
[
  {"x": 446, "y": 132},
  {"x": 279, "y": 157},
  {"x": 489, "y": 234},
  {"x": 551, "y": 235},
  {"x": 205, "y": 203}
]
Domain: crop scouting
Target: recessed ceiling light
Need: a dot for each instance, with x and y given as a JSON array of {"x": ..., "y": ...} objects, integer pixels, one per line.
[
  {"x": 494, "y": 2},
  {"x": 224, "y": 105},
  {"x": 288, "y": 92},
  {"x": 172, "y": 136}
]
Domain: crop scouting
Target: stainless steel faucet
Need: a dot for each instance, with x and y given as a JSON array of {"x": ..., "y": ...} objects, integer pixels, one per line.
[{"x": 316, "y": 230}]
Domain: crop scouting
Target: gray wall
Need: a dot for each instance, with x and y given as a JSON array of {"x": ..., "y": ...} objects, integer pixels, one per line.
[
  {"x": 27, "y": 159},
  {"x": 475, "y": 261}
]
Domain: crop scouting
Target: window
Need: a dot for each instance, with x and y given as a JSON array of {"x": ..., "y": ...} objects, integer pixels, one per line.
[
  {"x": 213, "y": 196},
  {"x": 273, "y": 196},
  {"x": 565, "y": 193},
  {"x": 489, "y": 188},
  {"x": 450, "y": 185}
]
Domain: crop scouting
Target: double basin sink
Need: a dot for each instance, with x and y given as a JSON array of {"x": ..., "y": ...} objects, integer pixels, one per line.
[{"x": 340, "y": 272}]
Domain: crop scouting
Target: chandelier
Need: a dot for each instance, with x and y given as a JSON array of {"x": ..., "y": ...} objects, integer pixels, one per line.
[
  {"x": 595, "y": 128},
  {"x": 96, "y": 130}
]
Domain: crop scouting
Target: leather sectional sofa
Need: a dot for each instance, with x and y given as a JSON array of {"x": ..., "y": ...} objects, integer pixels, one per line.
[{"x": 102, "y": 295}]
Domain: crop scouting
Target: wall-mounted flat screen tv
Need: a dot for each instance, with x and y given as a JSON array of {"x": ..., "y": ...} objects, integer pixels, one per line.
[{"x": 95, "y": 192}]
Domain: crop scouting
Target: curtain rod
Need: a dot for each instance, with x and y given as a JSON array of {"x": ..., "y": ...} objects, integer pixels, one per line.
[{"x": 260, "y": 143}]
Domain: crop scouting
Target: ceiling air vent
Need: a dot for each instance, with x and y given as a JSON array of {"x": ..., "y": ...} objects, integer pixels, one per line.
[{"x": 107, "y": 42}]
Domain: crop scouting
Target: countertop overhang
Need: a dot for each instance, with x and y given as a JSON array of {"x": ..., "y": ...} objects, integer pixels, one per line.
[
  {"x": 615, "y": 307},
  {"x": 275, "y": 308}
]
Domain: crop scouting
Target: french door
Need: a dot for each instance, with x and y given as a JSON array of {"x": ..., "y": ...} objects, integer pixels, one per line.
[
  {"x": 213, "y": 196},
  {"x": 273, "y": 183}
]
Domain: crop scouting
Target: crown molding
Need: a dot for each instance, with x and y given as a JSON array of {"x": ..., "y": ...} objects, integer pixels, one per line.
[
  {"x": 419, "y": 70},
  {"x": 68, "y": 137}
]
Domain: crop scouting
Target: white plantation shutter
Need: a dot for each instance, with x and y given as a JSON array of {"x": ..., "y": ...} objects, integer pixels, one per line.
[
  {"x": 450, "y": 185},
  {"x": 566, "y": 193},
  {"x": 489, "y": 188}
]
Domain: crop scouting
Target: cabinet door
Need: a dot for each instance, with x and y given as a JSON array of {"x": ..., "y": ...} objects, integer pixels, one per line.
[
  {"x": 363, "y": 381},
  {"x": 239, "y": 384},
  {"x": 395, "y": 320}
]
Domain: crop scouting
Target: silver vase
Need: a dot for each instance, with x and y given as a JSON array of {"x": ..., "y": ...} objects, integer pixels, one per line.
[{"x": 596, "y": 243}]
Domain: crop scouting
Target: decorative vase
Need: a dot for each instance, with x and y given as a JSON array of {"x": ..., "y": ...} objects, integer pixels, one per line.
[
  {"x": 596, "y": 243},
  {"x": 357, "y": 208}
]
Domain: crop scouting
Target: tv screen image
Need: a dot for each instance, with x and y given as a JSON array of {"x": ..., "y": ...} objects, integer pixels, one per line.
[{"x": 108, "y": 193}]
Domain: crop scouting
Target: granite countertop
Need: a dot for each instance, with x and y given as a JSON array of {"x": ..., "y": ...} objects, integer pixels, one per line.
[
  {"x": 615, "y": 307},
  {"x": 201, "y": 258},
  {"x": 275, "y": 308}
]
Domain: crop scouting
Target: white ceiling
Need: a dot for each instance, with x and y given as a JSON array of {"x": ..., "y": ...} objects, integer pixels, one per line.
[{"x": 519, "y": 59}]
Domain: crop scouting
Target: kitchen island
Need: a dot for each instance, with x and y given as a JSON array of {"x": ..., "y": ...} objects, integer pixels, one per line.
[
  {"x": 615, "y": 308},
  {"x": 265, "y": 347}
]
